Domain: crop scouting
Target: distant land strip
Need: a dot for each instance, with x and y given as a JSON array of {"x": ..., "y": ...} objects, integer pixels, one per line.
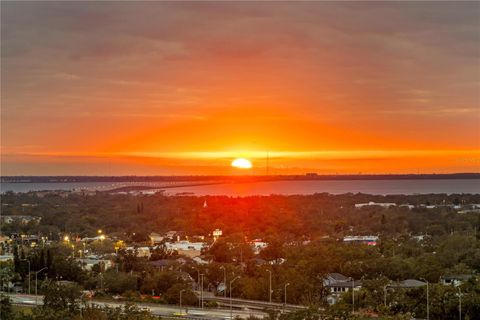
[{"x": 224, "y": 179}]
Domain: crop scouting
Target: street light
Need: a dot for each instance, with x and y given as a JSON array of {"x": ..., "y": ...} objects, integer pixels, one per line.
[
  {"x": 181, "y": 291},
  {"x": 198, "y": 283},
  {"x": 36, "y": 280},
  {"x": 224, "y": 281},
  {"x": 201, "y": 289},
  {"x": 459, "y": 304},
  {"x": 270, "y": 286},
  {"x": 28, "y": 273},
  {"x": 428, "y": 307},
  {"x": 285, "y": 303},
  {"x": 353, "y": 296},
  {"x": 198, "y": 276},
  {"x": 231, "y": 282}
]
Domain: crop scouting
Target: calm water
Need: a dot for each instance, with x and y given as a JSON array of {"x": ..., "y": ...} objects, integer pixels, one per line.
[{"x": 285, "y": 187}]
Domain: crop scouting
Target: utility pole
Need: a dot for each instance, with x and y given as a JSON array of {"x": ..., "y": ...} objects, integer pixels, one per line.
[
  {"x": 201, "y": 289},
  {"x": 181, "y": 291},
  {"x": 198, "y": 284},
  {"x": 353, "y": 296},
  {"x": 268, "y": 164},
  {"x": 224, "y": 281},
  {"x": 459, "y": 304},
  {"x": 428, "y": 304},
  {"x": 270, "y": 286}
]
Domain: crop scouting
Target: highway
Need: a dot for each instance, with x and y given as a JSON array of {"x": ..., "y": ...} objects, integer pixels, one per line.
[{"x": 157, "y": 309}]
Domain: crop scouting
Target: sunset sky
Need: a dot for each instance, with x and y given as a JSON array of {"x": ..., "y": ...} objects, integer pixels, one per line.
[{"x": 136, "y": 88}]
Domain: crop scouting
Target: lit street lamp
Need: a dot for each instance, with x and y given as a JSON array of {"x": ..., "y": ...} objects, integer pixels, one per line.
[
  {"x": 285, "y": 303},
  {"x": 428, "y": 305},
  {"x": 224, "y": 281},
  {"x": 36, "y": 280},
  {"x": 270, "y": 285}
]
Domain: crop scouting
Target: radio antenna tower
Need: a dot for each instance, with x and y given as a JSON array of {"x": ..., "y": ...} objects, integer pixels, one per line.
[{"x": 267, "y": 166}]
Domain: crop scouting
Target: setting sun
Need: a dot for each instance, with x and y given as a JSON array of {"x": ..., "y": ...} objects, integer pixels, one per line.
[{"x": 241, "y": 163}]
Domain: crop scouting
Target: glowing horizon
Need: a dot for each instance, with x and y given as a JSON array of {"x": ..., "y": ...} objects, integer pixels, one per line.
[{"x": 184, "y": 88}]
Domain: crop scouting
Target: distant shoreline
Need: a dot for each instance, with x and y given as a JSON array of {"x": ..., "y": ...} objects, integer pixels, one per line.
[{"x": 68, "y": 179}]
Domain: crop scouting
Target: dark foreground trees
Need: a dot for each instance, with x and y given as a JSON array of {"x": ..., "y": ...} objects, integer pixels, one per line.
[{"x": 64, "y": 301}]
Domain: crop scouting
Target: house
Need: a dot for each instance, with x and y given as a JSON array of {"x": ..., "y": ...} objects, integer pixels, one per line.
[
  {"x": 371, "y": 203},
  {"x": 369, "y": 240},
  {"x": 89, "y": 262},
  {"x": 172, "y": 235},
  {"x": 260, "y": 262},
  {"x": 4, "y": 239},
  {"x": 20, "y": 219},
  {"x": 420, "y": 237},
  {"x": 258, "y": 245},
  {"x": 333, "y": 278},
  {"x": 455, "y": 279},
  {"x": 199, "y": 260},
  {"x": 217, "y": 233},
  {"x": 6, "y": 257},
  {"x": 155, "y": 238},
  {"x": 336, "y": 284},
  {"x": 187, "y": 248},
  {"x": 163, "y": 263},
  {"x": 26, "y": 239},
  {"x": 91, "y": 239},
  {"x": 140, "y": 251},
  {"x": 344, "y": 286}
]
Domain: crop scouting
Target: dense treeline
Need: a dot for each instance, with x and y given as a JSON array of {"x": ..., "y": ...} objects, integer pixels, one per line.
[{"x": 287, "y": 217}]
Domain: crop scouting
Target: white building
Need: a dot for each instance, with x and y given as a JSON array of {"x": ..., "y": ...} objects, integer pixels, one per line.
[
  {"x": 187, "y": 248},
  {"x": 140, "y": 251},
  {"x": 371, "y": 203},
  {"x": 155, "y": 238},
  {"x": 336, "y": 284},
  {"x": 217, "y": 233},
  {"x": 370, "y": 240},
  {"x": 89, "y": 262},
  {"x": 258, "y": 245}
]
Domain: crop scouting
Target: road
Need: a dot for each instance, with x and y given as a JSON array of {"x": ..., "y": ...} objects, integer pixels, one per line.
[{"x": 157, "y": 309}]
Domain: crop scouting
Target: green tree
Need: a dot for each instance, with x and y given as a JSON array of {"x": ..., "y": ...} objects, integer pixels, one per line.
[
  {"x": 6, "y": 312},
  {"x": 60, "y": 296}
]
